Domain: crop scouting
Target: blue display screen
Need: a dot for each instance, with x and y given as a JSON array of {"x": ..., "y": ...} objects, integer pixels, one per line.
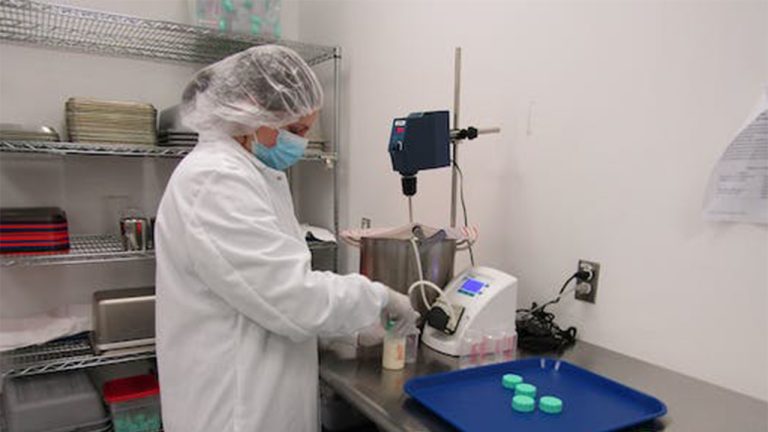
[{"x": 472, "y": 286}]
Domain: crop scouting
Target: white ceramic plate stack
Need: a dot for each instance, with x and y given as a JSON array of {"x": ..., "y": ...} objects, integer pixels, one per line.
[
  {"x": 19, "y": 132},
  {"x": 172, "y": 132},
  {"x": 176, "y": 138},
  {"x": 315, "y": 148},
  {"x": 316, "y": 138},
  {"x": 95, "y": 121}
]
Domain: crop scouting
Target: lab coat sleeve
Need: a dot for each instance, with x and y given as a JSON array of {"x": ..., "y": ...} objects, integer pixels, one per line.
[{"x": 241, "y": 254}]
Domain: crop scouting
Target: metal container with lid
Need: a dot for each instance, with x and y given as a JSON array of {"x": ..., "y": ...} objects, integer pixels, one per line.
[
  {"x": 392, "y": 262},
  {"x": 123, "y": 318}
]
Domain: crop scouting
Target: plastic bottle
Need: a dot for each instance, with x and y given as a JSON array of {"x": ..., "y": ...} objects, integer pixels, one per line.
[{"x": 393, "y": 356}]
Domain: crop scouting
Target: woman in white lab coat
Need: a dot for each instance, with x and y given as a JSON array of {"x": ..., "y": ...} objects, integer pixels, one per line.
[{"x": 238, "y": 308}]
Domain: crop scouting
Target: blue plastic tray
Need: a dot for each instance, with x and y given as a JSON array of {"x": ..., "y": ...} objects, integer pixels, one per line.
[{"x": 474, "y": 400}]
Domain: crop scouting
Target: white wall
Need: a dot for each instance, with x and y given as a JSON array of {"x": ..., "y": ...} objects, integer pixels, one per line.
[
  {"x": 613, "y": 114},
  {"x": 34, "y": 85}
]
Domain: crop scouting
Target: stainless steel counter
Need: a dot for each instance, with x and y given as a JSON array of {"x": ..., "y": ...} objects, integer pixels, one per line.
[{"x": 693, "y": 405}]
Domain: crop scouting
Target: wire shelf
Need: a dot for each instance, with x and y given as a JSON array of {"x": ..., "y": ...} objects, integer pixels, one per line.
[
  {"x": 63, "y": 355},
  {"x": 329, "y": 159},
  {"x": 86, "y": 249},
  {"x": 37, "y": 23},
  {"x": 83, "y": 249},
  {"x": 66, "y": 148},
  {"x": 134, "y": 150}
]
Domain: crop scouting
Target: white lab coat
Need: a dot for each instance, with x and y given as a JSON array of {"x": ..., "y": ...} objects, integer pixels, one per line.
[{"x": 238, "y": 308}]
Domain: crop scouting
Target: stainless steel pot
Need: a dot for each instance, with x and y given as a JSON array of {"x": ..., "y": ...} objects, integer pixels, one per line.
[{"x": 393, "y": 263}]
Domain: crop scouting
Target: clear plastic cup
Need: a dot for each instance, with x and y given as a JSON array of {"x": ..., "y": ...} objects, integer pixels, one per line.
[
  {"x": 411, "y": 347},
  {"x": 473, "y": 348},
  {"x": 509, "y": 345},
  {"x": 494, "y": 341}
]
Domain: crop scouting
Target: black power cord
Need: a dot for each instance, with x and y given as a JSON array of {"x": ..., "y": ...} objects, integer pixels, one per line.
[{"x": 537, "y": 331}]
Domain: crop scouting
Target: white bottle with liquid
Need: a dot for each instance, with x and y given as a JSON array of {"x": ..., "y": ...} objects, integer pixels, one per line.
[{"x": 393, "y": 356}]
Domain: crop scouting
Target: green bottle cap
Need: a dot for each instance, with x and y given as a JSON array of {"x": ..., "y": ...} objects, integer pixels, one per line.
[
  {"x": 511, "y": 380},
  {"x": 550, "y": 405},
  {"x": 228, "y": 5},
  {"x": 523, "y": 403},
  {"x": 390, "y": 324},
  {"x": 525, "y": 390}
]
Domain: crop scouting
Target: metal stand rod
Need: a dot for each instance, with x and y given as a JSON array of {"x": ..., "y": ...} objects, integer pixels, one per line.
[
  {"x": 455, "y": 143},
  {"x": 459, "y": 135},
  {"x": 493, "y": 130},
  {"x": 456, "y": 137},
  {"x": 338, "y": 150}
]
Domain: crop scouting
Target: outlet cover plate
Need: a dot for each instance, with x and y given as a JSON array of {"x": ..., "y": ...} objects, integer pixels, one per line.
[{"x": 594, "y": 267}]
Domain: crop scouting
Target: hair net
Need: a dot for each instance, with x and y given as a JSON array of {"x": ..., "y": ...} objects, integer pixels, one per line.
[{"x": 268, "y": 85}]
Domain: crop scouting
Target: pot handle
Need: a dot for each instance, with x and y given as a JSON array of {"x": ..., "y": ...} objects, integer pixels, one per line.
[
  {"x": 351, "y": 238},
  {"x": 470, "y": 235}
]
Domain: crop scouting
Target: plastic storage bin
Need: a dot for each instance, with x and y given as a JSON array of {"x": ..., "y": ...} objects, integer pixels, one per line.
[
  {"x": 134, "y": 403},
  {"x": 33, "y": 230},
  {"x": 53, "y": 402}
]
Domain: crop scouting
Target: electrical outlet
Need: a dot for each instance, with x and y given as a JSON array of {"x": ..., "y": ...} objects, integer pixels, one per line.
[{"x": 594, "y": 268}]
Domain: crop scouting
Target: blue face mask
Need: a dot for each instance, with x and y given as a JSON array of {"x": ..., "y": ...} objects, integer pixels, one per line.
[{"x": 288, "y": 149}]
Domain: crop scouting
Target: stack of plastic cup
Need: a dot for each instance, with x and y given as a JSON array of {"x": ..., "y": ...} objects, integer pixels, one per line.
[
  {"x": 473, "y": 349},
  {"x": 500, "y": 345},
  {"x": 509, "y": 345},
  {"x": 494, "y": 341},
  {"x": 492, "y": 346}
]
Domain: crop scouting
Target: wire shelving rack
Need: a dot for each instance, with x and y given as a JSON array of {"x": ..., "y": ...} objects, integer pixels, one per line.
[
  {"x": 101, "y": 248},
  {"x": 131, "y": 150},
  {"x": 66, "y": 148},
  {"x": 64, "y": 355},
  {"x": 83, "y": 249},
  {"x": 35, "y": 23},
  {"x": 58, "y": 26}
]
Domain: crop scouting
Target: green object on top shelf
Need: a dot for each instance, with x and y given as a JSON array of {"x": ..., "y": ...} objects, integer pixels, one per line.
[{"x": 255, "y": 24}]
